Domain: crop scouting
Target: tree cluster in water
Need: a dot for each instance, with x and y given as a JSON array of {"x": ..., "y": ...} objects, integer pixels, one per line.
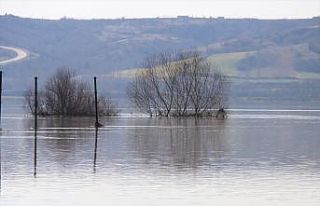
[
  {"x": 178, "y": 84},
  {"x": 170, "y": 84},
  {"x": 65, "y": 94}
]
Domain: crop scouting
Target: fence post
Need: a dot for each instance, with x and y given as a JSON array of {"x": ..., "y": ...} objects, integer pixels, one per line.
[
  {"x": 35, "y": 103},
  {"x": 0, "y": 98},
  {"x": 97, "y": 124}
]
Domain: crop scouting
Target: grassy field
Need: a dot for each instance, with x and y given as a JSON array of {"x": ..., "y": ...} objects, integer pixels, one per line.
[
  {"x": 128, "y": 73},
  {"x": 307, "y": 75},
  {"x": 227, "y": 63}
]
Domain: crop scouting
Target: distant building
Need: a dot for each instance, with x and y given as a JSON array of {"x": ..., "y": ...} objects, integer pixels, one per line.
[{"x": 183, "y": 17}]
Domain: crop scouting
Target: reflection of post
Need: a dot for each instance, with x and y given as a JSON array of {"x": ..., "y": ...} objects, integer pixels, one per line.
[
  {"x": 0, "y": 164},
  {"x": 0, "y": 122},
  {"x": 35, "y": 154},
  {"x": 95, "y": 150}
]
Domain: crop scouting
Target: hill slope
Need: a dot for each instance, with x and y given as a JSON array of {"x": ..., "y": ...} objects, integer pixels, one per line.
[{"x": 104, "y": 46}]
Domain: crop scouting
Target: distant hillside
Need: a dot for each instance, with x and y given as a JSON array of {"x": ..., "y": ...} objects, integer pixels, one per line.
[{"x": 104, "y": 46}]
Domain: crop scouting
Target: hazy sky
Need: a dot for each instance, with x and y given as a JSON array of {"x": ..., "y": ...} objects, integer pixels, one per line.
[{"x": 87, "y": 9}]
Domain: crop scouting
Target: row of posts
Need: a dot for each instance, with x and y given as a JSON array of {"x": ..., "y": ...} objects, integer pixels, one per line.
[{"x": 97, "y": 124}]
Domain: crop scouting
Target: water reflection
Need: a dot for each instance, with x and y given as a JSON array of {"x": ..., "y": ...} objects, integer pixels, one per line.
[
  {"x": 95, "y": 150},
  {"x": 0, "y": 162},
  {"x": 182, "y": 143},
  {"x": 171, "y": 160},
  {"x": 173, "y": 143},
  {"x": 35, "y": 153}
]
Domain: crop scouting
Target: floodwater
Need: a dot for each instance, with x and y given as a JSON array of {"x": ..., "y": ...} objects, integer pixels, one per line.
[{"x": 255, "y": 157}]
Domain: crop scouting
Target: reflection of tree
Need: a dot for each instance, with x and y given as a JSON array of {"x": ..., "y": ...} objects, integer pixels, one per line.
[
  {"x": 181, "y": 143},
  {"x": 162, "y": 142},
  {"x": 61, "y": 143}
]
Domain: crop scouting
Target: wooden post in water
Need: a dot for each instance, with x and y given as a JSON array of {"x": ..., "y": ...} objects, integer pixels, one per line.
[
  {"x": 0, "y": 98},
  {"x": 35, "y": 103},
  {"x": 97, "y": 124},
  {"x": 0, "y": 122}
]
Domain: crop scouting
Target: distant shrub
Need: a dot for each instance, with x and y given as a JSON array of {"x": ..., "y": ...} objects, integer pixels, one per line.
[{"x": 182, "y": 84}]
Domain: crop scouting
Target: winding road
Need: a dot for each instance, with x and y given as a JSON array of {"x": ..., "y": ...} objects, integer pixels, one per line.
[{"x": 21, "y": 54}]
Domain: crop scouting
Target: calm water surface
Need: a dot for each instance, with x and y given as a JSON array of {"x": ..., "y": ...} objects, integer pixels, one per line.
[{"x": 252, "y": 158}]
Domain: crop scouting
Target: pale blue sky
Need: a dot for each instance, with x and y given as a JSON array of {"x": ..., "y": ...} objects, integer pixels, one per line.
[{"x": 86, "y": 9}]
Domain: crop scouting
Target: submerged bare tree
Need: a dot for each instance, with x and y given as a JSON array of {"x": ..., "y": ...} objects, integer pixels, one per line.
[
  {"x": 29, "y": 98},
  {"x": 66, "y": 95},
  {"x": 179, "y": 85}
]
